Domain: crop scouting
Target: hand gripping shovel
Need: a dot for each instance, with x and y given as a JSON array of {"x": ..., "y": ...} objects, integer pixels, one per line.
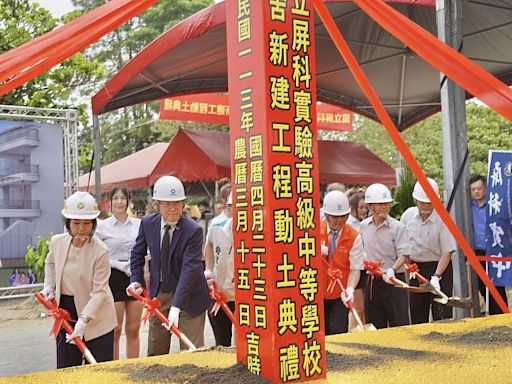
[
  {"x": 61, "y": 317},
  {"x": 374, "y": 269},
  {"x": 335, "y": 276},
  {"x": 152, "y": 307},
  {"x": 442, "y": 297}
]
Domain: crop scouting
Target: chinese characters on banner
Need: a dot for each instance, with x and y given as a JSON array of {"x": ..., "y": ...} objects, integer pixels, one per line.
[
  {"x": 499, "y": 217},
  {"x": 271, "y": 63},
  {"x": 214, "y": 109}
]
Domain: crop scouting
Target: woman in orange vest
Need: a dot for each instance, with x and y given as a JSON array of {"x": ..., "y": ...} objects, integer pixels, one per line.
[{"x": 342, "y": 249}]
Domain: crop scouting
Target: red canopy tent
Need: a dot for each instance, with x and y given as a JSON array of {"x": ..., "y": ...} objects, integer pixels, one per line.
[
  {"x": 191, "y": 58},
  {"x": 133, "y": 170},
  {"x": 196, "y": 156}
]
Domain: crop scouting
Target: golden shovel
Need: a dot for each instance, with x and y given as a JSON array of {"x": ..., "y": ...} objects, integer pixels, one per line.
[{"x": 442, "y": 298}]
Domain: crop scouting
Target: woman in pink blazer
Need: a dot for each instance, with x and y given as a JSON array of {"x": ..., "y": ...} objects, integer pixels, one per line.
[{"x": 76, "y": 275}]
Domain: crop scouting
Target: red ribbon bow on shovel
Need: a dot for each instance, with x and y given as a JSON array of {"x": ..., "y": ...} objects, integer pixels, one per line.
[
  {"x": 413, "y": 269},
  {"x": 220, "y": 302},
  {"x": 373, "y": 268},
  {"x": 152, "y": 308},
  {"x": 335, "y": 276},
  {"x": 60, "y": 316},
  {"x": 62, "y": 319},
  {"x": 150, "y": 305}
]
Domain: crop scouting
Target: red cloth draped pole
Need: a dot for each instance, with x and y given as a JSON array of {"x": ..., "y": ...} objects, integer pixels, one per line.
[
  {"x": 152, "y": 306},
  {"x": 220, "y": 302},
  {"x": 370, "y": 93},
  {"x": 442, "y": 57},
  {"x": 62, "y": 319},
  {"x": 36, "y": 49},
  {"x": 34, "y": 58}
]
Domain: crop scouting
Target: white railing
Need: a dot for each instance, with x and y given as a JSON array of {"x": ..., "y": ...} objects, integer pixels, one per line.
[{"x": 19, "y": 291}]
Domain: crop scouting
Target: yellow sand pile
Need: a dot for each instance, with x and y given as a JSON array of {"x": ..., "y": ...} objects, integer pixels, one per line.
[{"x": 469, "y": 351}]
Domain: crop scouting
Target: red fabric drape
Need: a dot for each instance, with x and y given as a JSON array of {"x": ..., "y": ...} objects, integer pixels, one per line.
[
  {"x": 35, "y": 57},
  {"x": 365, "y": 85},
  {"x": 442, "y": 57}
]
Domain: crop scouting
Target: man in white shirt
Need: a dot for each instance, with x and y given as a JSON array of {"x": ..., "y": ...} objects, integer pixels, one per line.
[
  {"x": 385, "y": 240},
  {"x": 432, "y": 247}
]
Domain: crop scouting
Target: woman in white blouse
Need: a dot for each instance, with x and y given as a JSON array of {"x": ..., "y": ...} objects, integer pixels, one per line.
[{"x": 119, "y": 232}]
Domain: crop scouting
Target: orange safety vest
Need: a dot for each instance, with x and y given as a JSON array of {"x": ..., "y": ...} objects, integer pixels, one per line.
[{"x": 340, "y": 258}]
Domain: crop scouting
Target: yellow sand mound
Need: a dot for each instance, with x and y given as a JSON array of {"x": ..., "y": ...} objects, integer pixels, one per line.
[{"x": 469, "y": 351}]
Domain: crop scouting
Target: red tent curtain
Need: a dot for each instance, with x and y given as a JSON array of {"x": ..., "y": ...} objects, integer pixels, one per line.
[
  {"x": 442, "y": 57},
  {"x": 23, "y": 63}
]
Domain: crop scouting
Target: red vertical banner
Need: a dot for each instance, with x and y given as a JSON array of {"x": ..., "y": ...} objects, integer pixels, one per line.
[{"x": 279, "y": 303}]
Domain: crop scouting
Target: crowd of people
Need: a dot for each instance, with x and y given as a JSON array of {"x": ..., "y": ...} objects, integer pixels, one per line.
[
  {"x": 18, "y": 277},
  {"x": 92, "y": 267}
]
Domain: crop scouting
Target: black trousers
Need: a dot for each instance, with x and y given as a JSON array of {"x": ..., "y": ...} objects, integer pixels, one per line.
[
  {"x": 494, "y": 308},
  {"x": 422, "y": 303},
  {"x": 222, "y": 325},
  {"x": 68, "y": 355},
  {"x": 336, "y": 317},
  {"x": 385, "y": 305}
]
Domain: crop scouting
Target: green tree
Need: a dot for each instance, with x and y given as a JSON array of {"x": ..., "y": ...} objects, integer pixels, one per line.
[
  {"x": 131, "y": 129},
  {"x": 486, "y": 130},
  {"x": 22, "y": 21},
  {"x": 36, "y": 256}
]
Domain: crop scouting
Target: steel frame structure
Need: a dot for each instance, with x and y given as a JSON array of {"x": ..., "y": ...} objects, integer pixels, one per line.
[{"x": 67, "y": 119}]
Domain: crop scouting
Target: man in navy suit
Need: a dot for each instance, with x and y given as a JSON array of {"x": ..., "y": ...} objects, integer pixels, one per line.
[{"x": 176, "y": 274}]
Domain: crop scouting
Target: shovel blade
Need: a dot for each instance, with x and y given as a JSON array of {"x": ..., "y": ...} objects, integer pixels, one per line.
[
  {"x": 460, "y": 302},
  {"x": 364, "y": 328}
]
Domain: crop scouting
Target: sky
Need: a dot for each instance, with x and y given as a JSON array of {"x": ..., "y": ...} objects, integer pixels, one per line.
[{"x": 56, "y": 7}]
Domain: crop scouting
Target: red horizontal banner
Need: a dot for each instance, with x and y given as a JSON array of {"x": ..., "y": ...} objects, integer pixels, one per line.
[
  {"x": 494, "y": 258},
  {"x": 214, "y": 109}
]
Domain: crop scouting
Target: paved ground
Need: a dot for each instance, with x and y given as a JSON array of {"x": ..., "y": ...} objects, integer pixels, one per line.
[{"x": 25, "y": 345}]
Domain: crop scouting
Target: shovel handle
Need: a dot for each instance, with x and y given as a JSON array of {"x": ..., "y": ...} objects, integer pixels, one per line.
[
  {"x": 155, "y": 311},
  {"x": 229, "y": 313},
  {"x": 68, "y": 328},
  {"x": 351, "y": 308},
  {"x": 413, "y": 267}
]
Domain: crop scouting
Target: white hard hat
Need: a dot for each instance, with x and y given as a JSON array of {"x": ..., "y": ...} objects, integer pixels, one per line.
[
  {"x": 336, "y": 204},
  {"x": 80, "y": 205},
  {"x": 419, "y": 194},
  {"x": 377, "y": 193},
  {"x": 169, "y": 188}
]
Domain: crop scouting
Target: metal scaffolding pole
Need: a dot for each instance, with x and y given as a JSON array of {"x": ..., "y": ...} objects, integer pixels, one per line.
[
  {"x": 67, "y": 119},
  {"x": 455, "y": 143},
  {"x": 97, "y": 157}
]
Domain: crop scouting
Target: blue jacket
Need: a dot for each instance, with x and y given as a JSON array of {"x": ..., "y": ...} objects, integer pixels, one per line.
[{"x": 187, "y": 277}]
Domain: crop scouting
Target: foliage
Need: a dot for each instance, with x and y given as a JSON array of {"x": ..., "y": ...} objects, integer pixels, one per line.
[
  {"x": 403, "y": 193},
  {"x": 36, "y": 256},
  {"x": 22, "y": 21},
  {"x": 131, "y": 129},
  {"x": 486, "y": 130}
]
